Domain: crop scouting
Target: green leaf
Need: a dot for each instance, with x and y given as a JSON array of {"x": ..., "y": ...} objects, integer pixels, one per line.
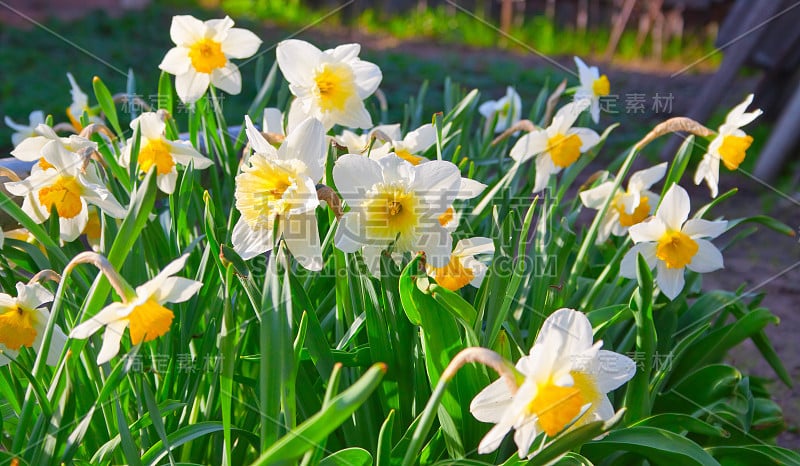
[
  {"x": 755, "y": 454},
  {"x": 679, "y": 423},
  {"x": 348, "y": 457},
  {"x": 181, "y": 436},
  {"x": 572, "y": 439},
  {"x": 316, "y": 428},
  {"x": 659, "y": 446},
  {"x": 106, "y": 102}
]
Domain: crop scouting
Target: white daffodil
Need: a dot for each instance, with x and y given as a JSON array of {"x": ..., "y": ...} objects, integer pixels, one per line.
[
  {"x": 30, "y": 149},
  {"x": 671, "y": 243},
  {"x": 508, "y": 110},
  {"x": 627, "y": 207},
  {"x": 730, "y": 146},
  {"x": 156, "y": 150},
  {"x": 360, "y": 143},
  {"x": 22, "y": 131},
  {"x": 566, "y": 381},
  {"x": 66, "y": 185},
  {"x": 144, "y": 313},
  {"x": 593, "y": 87},
  {"x": 463, "y": 269},
  {"x": 276, "y": 194},
  {"x": 80, "y": 104},
  {"x": 395, "y": 203},
  {"x": 556, "y": 147},
  {"x": 23, "y": 321},
  {"x": 330, "y": 85},
  {"x": 202, "y": 54}
]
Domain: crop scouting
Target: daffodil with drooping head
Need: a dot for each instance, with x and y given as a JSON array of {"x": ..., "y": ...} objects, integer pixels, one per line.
[
  {"x": 67, "y": 185},
  {"x": 556, "y": 147},
  {"x": 395, "y": 204},
  {"x": 21, "y": 131},
  {"x": 329, "y": 85},
  {"x": 23, "y": 320},
  {"x": 507, "y": 109},
  {"x": 730, "y": 146},
  {"x": 276, "y": 194},
  {"x": 628, "y": 207},
  {"x": 157, "y": 151},
  {"x": 464, "y": 268},
  {"x": 563, "y": 383},
  {"x": 202, "y": 55},
  {"x": 671, "y": 243},
  {"x": 593, "y": 87},
  {"x": 142, "y": 312}
]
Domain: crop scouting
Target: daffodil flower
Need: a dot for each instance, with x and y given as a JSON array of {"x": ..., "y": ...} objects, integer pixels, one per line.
[
  {"x": 80, "y": 104},
  {"x": 66, "y": 185},
  {"x": 276, "y": 194},
  {"x": 23, "y": 320},
  {"x": 627, "y": 207},
  {"x": 508, "y": 110},
  {"x": 730, "y": 146},
  {"x": 556, "y": 147},
  {"x": 30, "y": 149},
  {"x": 360, "y": 143},
  {"x": 202, "y": 55},
  {"x": 155, "y": 150},
  {"x": 564, "y": 382},
  {"x": 329, "y": 85},
  {"x": 671, "y": 243},
  {"x": 144, "y": 312},
  {"x": 463, "y": 269},
  {"x": 593, "y": 87},
  {"x": 21, "y": 132},
  {"x": 394, "y": 203}
]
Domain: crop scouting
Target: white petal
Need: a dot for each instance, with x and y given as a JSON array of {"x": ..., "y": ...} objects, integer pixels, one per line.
[
  {"x": 186, "y": 30},
  {"x": 354, "y": 176},
  {"x": 32, "y": 296},
  {"x": 176, "y": 290},
  {"x": 670, "y": 281},
  {"x": 491, "y": 441},
  {"x": 57, "y": 342},
  {"x": 166, "y": 183},
  {"x": 297, "y": 60},
  {"x": 297, "y": 113},
  {"x": 227, "y": 78},
  {"x": 529, "y": 145},
  {"x": 674, "y": 208},
  {"x": 240, "y": 43},
  {"x": 111, "y": 340},
  {"x": 92, "y": 324},
  {"x": 71, "y": 228},
  {"x": 354, "y": 115},
  {"x": 217, "y": 29},
  {"x": 249, "y": 243},
  {"x": 544, "y": 168},
  {"x": 589, "y": 138},
  {"x": 570, "y": 328},
  {"x": 372, "y": 258},
  {"x": 191, "y": 85},
  {"x": 30, "y": 149},
  {"x": 272, "y": 121},
  {"x": 368, "y": 77},
  {"x": 627, "y": 268},
  {"x": 421, "y": 139},
  {"x": 256, "y": 139},
  {"x": 651, "y": 229},
  {"x": 566, "y": 115},
  {"x": 707, "y": 259},
  {"x": 737, "y": 117},
  {"x": 176, "y": 61},
  {"x": 307, "y": 143},
  {"x": 585, "y": 74},
  {"x": 492, "y": 402},
  {"x": 699, "y": 228},
  {"x": 474, "y": 246},
  {"x": 525, "y": 435},
  {"x": 470, "y": 189},
  {"x": 349, "y": 236},
  {"x": 488, "y": 108},
  {"x": 344, "y": 52},
  {"x": 708, "y": 169},
  {"x": 396, "y": 170},
  {"x": 610, "y": 370},
  {"x": 596, "y": 197},
  {"x": 644, "y": 179},
  {"x": 594, "y": 110},
  {"x": 302, "y": 238},
  {"x": 437, "y": 244},
  {"x": 184, "y": 153},
  {"x": 438, "y": 182}
]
